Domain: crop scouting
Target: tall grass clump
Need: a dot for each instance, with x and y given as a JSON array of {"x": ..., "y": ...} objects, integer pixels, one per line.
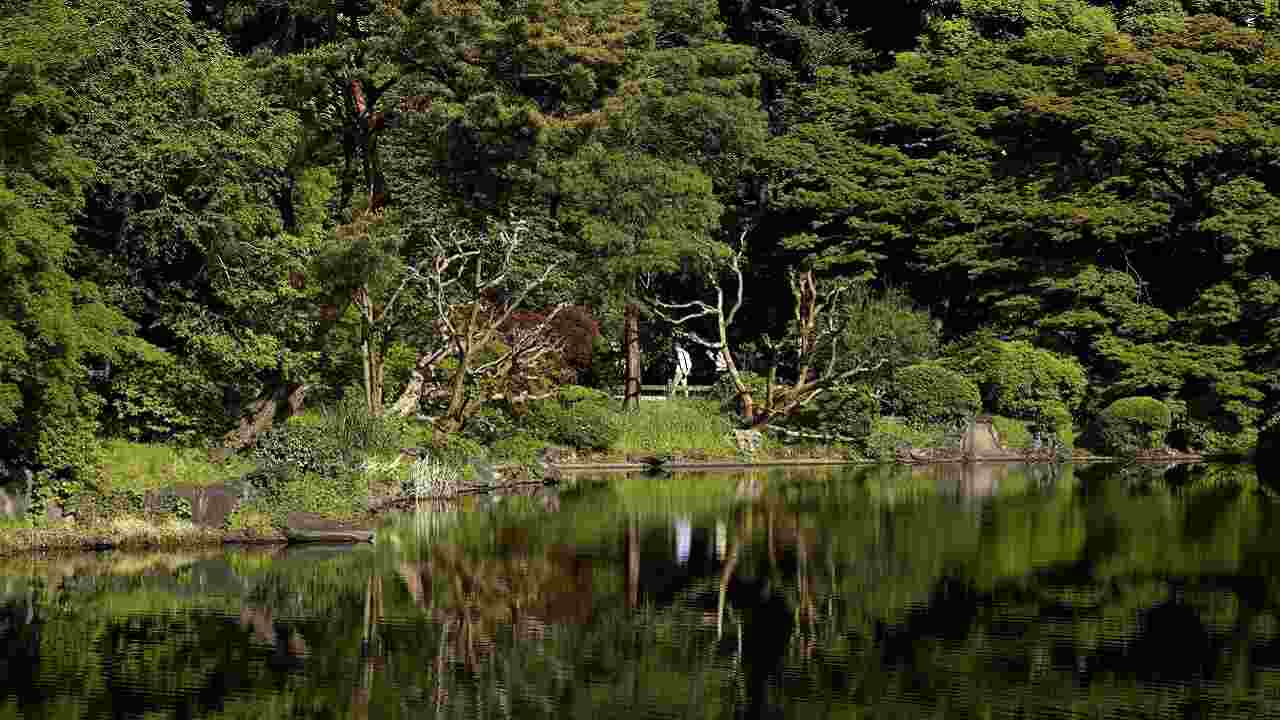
[
  {"x": 349, "y": 423},
  {"x": 676, "y": 425},
  {"x": 432, "y": 477}
]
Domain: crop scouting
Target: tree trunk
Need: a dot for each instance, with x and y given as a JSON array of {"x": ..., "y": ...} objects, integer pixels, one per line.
[
  {"x": 455, "y": 415},
  {"x": 631, "y": 346},
  {"x": 377, "y": 377},
  {"x": 411, "y": 396},
  {"x": 279, "y": 403}
]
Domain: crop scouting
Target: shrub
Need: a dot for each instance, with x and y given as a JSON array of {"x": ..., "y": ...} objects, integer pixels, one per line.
[
  {"x": 459, "y": 449},
  {"x": 490, "y": 424},
  {"x": 1013, "y": 433},
  {"x": 584, "y": 425},
  {"x": 1020, "y": 380},
  {"x": 889, "y": 435},
  {"x": 304, "y": 449},
  {"x": 934, "y": 394},
  {"x": 520, "y": 448},
  {"x": 577, "y": 417},
  {"x": 847, "y": 410},
  {"x": 1134, "y": 423}
]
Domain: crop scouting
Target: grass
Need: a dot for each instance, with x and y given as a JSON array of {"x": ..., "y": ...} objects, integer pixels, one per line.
[
  {"x": 676, "y": 425},
  {"x": 122, "y": 532},
  {"x": 126, "y": 466}
]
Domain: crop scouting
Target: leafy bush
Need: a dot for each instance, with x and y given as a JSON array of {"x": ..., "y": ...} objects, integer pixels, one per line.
[
  {"x": 583, "y": 425},
  {"x": 889, "y": 435},
  {"x": 932, "y": 393},
  {"x": 572, "y": 394},
  {"x": 459, "y": 449},
  {"x": 520, "y": 448},
  {"x": 343, "y": 495},
  {"x": 304, "y": 449},
  {"x": 1013, "y": 433},
  {"x": 1020, "y": 380},
  {"x": 153, "y": 396},
  {"x": 847, "y": 410},
  {"x": 577, "y": 417},
  {"x": 1134, "y": 423},
  {"x": 490, "y": 424}
]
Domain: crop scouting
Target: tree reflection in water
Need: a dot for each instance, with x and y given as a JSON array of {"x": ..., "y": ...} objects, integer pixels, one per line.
[{"x": 997, "y": 590}]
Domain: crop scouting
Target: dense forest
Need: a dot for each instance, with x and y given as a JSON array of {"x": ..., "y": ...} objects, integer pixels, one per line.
[{"x": 215, "y": 212}]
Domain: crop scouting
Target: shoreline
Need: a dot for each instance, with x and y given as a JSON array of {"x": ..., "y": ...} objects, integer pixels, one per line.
[{"x": 141, "y": 534}]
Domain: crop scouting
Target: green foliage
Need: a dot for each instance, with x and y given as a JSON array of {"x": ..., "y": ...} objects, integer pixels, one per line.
[
  {"x": 725, "y": 392},
  {"x": 332, "y": 442},
  {"x": 1134, "y": 423},
  {"x": 126, "y": 465},
  {"x": 55, "y": 325},
  {"x": 1039, "y": 173},
  {"x": 156, "y": 396},
  {"x": 931, "y": 393},
  {"x": 1022, "y": 381},
  {"x": 459, "y": 449},
  {"x": 676, "y": 425},
  {"x": 888, "y": 435},
  {"x": 519, "y": 448},
  {"x": 1014, "y": 434},
  {"x": 490, "y": 424},
  {"x": 350, "y": 424},
  {"x": 340, "y": 495},
  {"x": 580, "y": 418},
  {"x": 290, "y": 449},
  {"x": 846, "y": 409},
  {"x": 882, "y": 326}
]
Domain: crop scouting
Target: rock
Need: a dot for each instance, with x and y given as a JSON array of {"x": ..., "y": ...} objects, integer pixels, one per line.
[{"x": 210, "y": 505}]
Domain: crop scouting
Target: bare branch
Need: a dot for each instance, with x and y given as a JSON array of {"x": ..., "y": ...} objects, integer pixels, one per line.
[{"x": 736, "y": 265}]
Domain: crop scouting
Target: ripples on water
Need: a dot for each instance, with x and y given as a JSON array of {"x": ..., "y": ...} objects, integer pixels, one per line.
[{"x": 885, "y": 592}]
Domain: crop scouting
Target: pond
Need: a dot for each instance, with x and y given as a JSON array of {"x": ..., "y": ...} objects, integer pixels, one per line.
[{"x": 859, "y": 592}]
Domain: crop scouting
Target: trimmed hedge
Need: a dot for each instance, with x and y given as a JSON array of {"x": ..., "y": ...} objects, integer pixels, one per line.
[
  {"x": 932, "y": 393},
  {"x": 1134, "y": 423}
]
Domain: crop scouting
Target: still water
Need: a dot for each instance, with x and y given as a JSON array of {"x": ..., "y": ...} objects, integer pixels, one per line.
[{"x": 872, "y": 592}]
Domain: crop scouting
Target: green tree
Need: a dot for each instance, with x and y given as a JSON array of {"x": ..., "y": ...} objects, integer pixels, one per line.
[
  {"x": 54, "y": 327},
  {"x": 1056, "y": 184}
]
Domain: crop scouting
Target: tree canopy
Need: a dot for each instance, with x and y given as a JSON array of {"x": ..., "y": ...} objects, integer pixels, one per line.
[{"x": 208, "y": 205}]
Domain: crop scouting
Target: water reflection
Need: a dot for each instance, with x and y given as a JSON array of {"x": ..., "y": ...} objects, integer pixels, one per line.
[{"x": 986, "y": 591}]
